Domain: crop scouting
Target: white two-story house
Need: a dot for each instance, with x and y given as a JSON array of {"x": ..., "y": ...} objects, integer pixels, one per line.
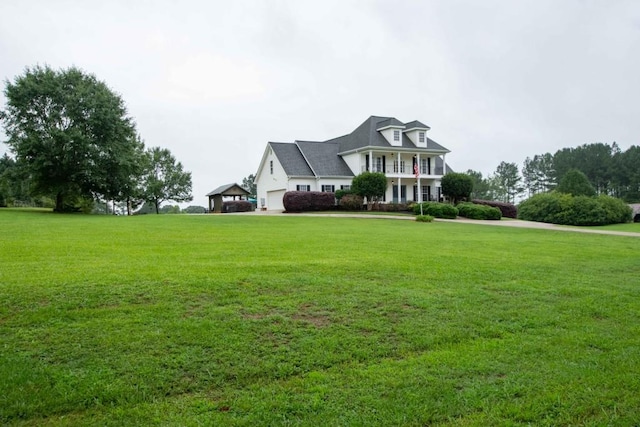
[{"x": 412, "y": 162}]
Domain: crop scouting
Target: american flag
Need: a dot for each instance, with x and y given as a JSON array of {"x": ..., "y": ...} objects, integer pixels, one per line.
[{"x": 416, "y": 171}]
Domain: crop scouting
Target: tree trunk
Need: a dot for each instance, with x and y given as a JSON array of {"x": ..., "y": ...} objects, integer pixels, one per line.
[
  {"x": 157, "y": 208},
  {"x": 59, "y": 203}
]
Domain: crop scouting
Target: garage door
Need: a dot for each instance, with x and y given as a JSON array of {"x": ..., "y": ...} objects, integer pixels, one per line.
[{"x": 274, "y": 200}]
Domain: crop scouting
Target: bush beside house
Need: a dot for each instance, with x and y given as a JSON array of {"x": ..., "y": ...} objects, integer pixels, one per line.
[
  {"x": 351, "y": 202},
  {"x": 306, "y": 201}
]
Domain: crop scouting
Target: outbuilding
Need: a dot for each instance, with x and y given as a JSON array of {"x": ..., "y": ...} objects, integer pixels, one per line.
[{"x": 228, "y": 190}]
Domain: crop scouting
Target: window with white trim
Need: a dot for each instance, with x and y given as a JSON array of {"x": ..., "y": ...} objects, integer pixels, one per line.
[
  {"x": 396, "y": 135},
  {"x": 271, "y": 166},
  {"x": 378, "y": 165},
  {"x": 421, "y": 137},
  {"x": 345, "y": 187},
  {"x": 426, "y": 193},
  {"x": 329, "y": 188},
  {"x": 303, "y": 187},
  {"x": 424, "y": 167}
]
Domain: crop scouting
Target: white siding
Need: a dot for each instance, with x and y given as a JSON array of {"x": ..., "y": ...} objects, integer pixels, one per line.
[
  {"x": 414, "y": 136},
  {"x": 388, "y": 135},
  {"x": 268, "y": 182},
  {"x": 355, "y": 161}
]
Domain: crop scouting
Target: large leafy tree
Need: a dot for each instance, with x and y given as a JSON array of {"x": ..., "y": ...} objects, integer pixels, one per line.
[
  {"x": 165, "y": 179},
  {"x": 575, "y": 183},
  {"x": 626, "y": 174},
  {"x": 481, "y": 186},
  {"x": 457, "y": 186},
  {"x": 69, "y": 131},
  {"x": 371, "y": 185},
  {"x": 594, "y": 160},
  {"x": 123, "y": 179}
]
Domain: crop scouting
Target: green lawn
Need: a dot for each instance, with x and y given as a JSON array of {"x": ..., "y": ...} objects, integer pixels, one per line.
[
  {"x": 306, "y": 320},
  {"x": 631, "y": 226}
]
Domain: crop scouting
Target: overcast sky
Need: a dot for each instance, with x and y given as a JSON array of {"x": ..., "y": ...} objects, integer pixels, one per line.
[{"x": 215, "y": 81}]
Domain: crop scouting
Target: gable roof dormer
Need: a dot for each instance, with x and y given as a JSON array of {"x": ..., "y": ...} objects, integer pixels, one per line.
[
  {"x": 417, "y": 133},
  {"x": 391, "y": 129}
]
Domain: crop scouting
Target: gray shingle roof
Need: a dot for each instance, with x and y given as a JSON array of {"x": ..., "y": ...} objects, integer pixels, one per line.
[
  {"x": 416, "y": 124},
  {"x": 323, "y": 158},
  {"x": 432, "y": 145},
  {"x": 438, "y": 170},
  {"x": 291, "y": 159},
  {"x": 232, "y": 189},
  {"x": 367, "y": 135},
  {"x": 391, "y": 121}
]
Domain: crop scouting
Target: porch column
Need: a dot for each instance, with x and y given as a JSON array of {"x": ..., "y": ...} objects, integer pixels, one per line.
[
  {"x": 370, "y": 161},
  {"x": 444, "y": 165}
]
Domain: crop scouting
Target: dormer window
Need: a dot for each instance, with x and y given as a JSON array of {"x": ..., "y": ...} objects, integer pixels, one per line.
[
  {"x": 421, "y": 137},
  {"x": 396, "y": 135}
]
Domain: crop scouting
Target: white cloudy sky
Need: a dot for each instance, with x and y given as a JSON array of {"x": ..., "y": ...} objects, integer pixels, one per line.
[{"x": 214, "y": 81}]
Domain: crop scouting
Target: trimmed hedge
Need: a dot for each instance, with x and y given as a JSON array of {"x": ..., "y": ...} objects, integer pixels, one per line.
[
  {"x": 565, "y": 209},
  {"x": 391, "y": 207},
  {"x": 508, "y": 210},
  {"x": 237, "y": 206},
  {"x": 474, "y": 211},
  {"x": 305, "y": 201},
  {"x": 351, "y": 202},
  {"x": 436, "y": 209}
]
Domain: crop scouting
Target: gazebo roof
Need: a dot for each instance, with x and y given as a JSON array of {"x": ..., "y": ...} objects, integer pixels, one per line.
[{"x": 229, "y": 190}]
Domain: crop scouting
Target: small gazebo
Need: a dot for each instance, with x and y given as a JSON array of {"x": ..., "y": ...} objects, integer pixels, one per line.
[{"x": 228, "y": 190}]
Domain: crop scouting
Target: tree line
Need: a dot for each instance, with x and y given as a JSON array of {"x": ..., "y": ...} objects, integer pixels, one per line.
[
  {"x": 610, "y": 171},
  {"x": 73, "y": 145}
]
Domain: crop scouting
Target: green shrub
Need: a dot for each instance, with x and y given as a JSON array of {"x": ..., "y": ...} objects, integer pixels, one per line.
[
  {"x": 565, "y": 209},
  {"x": 474, "y": 211},
  {"x": 436, "y": 209},
  {"x": 616, "y": 210},
  {"x": 424, "y": 218},
  {"x": 508, "y": 210},
  {"x": 341, "y": 193}
]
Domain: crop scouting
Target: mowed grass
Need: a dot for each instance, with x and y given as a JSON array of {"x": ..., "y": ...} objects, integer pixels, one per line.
[{"x": 287, "y": 320}]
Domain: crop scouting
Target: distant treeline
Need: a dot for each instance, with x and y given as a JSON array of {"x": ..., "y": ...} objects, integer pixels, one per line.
[{"x": 610, "y": 170}]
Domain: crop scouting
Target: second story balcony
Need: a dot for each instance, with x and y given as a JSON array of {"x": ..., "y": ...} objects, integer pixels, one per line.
[{"x": 404, "y": 168}]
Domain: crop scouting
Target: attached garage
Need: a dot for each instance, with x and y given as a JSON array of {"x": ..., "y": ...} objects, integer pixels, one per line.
[{"x": 274, "y": 200}]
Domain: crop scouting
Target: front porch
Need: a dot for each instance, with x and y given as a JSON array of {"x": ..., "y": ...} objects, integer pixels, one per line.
[{"x": 410, "y": 190}]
